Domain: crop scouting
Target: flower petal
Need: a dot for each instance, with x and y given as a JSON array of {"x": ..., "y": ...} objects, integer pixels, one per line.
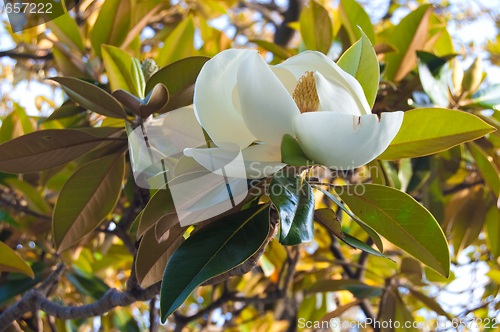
[
  {"x": 266, "y": 106},
  {"x": 318, "y": 62},
  {"x": 334, "y": 97},
  {"x": 254, "y": 162},
  {"x": 213, "y": 102},
  {"x": 342, "y": 141}
]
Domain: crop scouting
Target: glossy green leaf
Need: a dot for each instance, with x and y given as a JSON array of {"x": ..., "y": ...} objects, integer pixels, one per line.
[
  {"x": 316, "y": 27},
  {"x": 159, "y": 205},
  {"x": 89, "y": 195},
  {"x": 226, "y": 243},
  {"x": 292, "y": 154},
  {"x": 488, "y": 97},
  {"x": 401, "y": 220},
  {"x": 179, "y": 44},
  {"x": 433, "y": 74},
  {"x": 66, "y": 30},
  {"x": 328, "y": 219},
  {"x": 358, "y": 244},
  {"x": 45, "y": 149},
  {"x": 10, "y": 261},
  {"x": 430, "y": 130},
  {"x": 360, "y": 60},
  {"x": 91, "y": 97},
  {"x": 430, "y": 303},
  {"x": 487, "y": 167},
  {"x": 493, "y": 230},
  {"x": 353, "y": 16},
  {"x": 179, "y": 78},
  {"x": 112, "y": 24},
  {"x": 294, "y": 200},
  {"x": 375, "y": 237},
  {"x": 408, "y": 36},
  {"x": 123, "y": 71},
  {"x": 152, "y": 257}
]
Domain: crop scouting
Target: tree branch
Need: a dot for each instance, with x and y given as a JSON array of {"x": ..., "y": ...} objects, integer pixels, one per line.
[
  {"x": 284, "y": 33},
  {"x": 14, "y": 55}
]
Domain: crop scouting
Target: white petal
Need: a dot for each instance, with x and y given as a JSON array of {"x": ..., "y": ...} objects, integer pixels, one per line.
[
  {"x": 286, "y": 78},
  {"x": 342, "y": 141},
  {"x": 317, "y": 61},
  {"x": 266, "y": 106},
  {"x": 334, "y": 97},
  {"x": 254, "y": 162},
  {"x": 213, "y": 99}
]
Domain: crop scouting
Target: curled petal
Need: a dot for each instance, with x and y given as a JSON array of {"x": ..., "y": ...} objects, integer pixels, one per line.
[
  {"x": 343, "y": 141},
  {"x": 213, "y": 100},
  {"x": 334, "y": 97},
  {"x": 318, "y": 62},
  {"x": 266, "y": 106}
]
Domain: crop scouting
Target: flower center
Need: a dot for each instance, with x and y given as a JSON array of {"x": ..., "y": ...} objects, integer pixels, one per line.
[{"x": 305, "y": 94}]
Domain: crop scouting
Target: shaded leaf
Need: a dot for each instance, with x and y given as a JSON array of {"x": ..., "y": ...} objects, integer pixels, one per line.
[
  {"x": 89, "y": 195},
  {"x": 226, "y": 243},
  {"x": 112, "y": 24},
  {"x": 328, "y": 219},
  {"x": 430, "y": 130},
  {"x": 10, "y": 261},
  {"x": 316, "y": 27},
  {"x": 159, "y": 205},
  {"x": 155, "y": 101},
  {"x": 358, "y": 244},
  {"x": 88, "y": 283},
  {"x": 292, "y": 154},
  {"x": 488, "y": 97},
  {"x": 487, "y": 167},
  {"x": 493, "y": 230},
  {"x": 434, "y": 77}
]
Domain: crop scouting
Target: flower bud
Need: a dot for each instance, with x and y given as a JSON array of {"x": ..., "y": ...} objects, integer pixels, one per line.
[
  {"x": 473, "y": 76},
  {"x": 457, "y": 75},
  {"x": 149, "y": 67}
]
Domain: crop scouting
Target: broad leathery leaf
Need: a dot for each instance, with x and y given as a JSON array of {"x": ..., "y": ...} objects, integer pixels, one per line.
[
  {"x": 402, "y": 221},
  {"x": 66, "y": 30},
  {"x": 487, "y": 167},
  {"x": 430, "y": 303},
  {"x": 375, "y": 237},
  {"x": 152, "y": 257},
  {"x": 155, "y": 101},
  {"x": 141, "y": 16},
  {"x": 408, "y": 37},
  {"x": 493, "y": 230},
  {"x": 488, "y": 97},
  {"x": 123, "y": 71},
  {"x": 434, "y": 80},
  {"x": 10, "y": 261},
  {"x": 179, "y": 78},
  {"x": 353, "y": 16},
  {"x": 358, "y": 244},
  {"x": 179, "y": 43},
  {"x": 112, "y": 24},
  {"x": 67, "y": 109},
  {"x": 327, "y": 218},
  {"x": 427, "y": 131},
  {"x": 91, "y": 97},
  {"x": 215, "y": 249},
  {"x": 64, "y": 63},
  {"x": 35, "y": 200},
  {"x": 276, "y": 50},
  {"x": 294, "y": 200},
  {"x": 45, "y": 149},
  {"x": 160, "y": 204},
  {"x": 164, "y": 225},
  {"x": 316, "y": 27},
  {"x": 89, "y": 195},
  {"x": 292, "y": 154},
  {"x": 333, "y": 285},
  {"x": 360, "y": 60}
]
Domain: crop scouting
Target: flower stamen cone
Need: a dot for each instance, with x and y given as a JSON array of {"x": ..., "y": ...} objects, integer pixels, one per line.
[{"x": 305, "y": 94}]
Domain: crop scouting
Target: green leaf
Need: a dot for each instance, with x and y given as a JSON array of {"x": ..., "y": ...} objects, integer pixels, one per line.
[
  {"x": 141, "y": 16},
  {"x": 152, "y": 257},
  {"x": 324, "y": 286},
  {"x": 430, "y": 303},
  {"x": 328, "y": 219},
  {"x": 276, "y": 50},
  {"x": 434, "y": 77},
  {"x": 488, "y": 97},
  {"x": 430, "y": 130},
  {"x": 10, "y": 261},
  {"x": 159, "y": 205},
  {"x": 179, "y": 43},
  {"x": 112, "y": 24},
  {"x": 360, "y": 60},
  {"x": 353, "y": 16},
  {"x": 225, "y": 244},
  {"x": 88, "y": 283},
  {"x": 66, "y": 30},
  {"x": 375, "y": 237},
  {"x": 294, "y": 200},
  {"x": 408, "y": 36},
  {"x": 292, "y": 154},
  {"x": 123, "y": 71},
  {"x": 45, "y": 149},
  {"x": 487, "y": 167},
  {"x": 493, "y": 230},
  {"x": 35, "y": 200},
  {"x": 68, "y": 109},
  {"x": 316, "y": 27},
  {"x": 358, "y": 244},
  {"x": 91, "y": 97},
  {"x": 89, "y": 195},
  {"x": 179, "y": 78},
  {"x": 403, "y": 221}
]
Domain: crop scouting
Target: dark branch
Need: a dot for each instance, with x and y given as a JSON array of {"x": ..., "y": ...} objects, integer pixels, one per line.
[
  {"x": 14, "y": 55},
  {"x": 284, "y": 33}
]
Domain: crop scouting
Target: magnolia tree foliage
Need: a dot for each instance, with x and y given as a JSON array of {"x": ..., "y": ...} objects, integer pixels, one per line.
[{"x": 369, "y": 163}]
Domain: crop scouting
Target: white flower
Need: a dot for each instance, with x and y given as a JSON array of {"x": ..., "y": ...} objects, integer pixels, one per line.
[{"x": 240, "y": 99}]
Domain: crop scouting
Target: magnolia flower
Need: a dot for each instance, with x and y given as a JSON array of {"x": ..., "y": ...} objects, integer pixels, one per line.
[{"x": 240, "y": 100}]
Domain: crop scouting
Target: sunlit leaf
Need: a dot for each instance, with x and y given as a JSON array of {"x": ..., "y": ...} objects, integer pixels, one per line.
[
  {"x": 316, "y": 27},
  {"x": 112, "y": 24},
  {"x": 353, "y": 16},
  {"x": 10, "y": 261}
]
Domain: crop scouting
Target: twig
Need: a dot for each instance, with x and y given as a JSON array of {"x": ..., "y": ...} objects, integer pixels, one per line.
[
  {"x": 24, "y": 209},
  {"x": 14, "y": 55}
]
